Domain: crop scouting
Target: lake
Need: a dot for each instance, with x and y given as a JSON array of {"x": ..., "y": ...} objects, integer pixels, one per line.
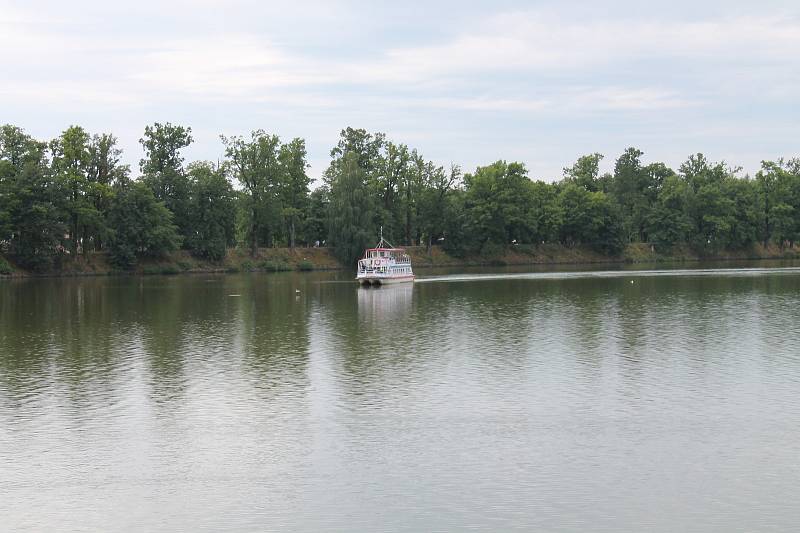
[{"x": 492, "y": 400}]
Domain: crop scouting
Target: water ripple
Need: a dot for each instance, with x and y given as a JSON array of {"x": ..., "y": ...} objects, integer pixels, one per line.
[{"x": 605, "y": 401}]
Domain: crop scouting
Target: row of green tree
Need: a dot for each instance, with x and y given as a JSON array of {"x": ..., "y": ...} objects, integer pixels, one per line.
[
  {"x": 72, "y": 195},
  {"x": 707, "y": 206}
]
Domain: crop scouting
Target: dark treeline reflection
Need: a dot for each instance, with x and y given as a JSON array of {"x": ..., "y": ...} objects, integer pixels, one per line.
[
  {"x": 67, "y": 331},
  {"x": 96, "y": 330},
  {"x": 78, "y": 330},
  {"x": 522, "y": 330},
  {"x": 273, "y": 329},
  {"x": 306, "y": 402}
]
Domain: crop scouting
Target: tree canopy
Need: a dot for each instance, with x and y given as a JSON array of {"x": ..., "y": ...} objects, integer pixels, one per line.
[{"x": 72, "y": 195}]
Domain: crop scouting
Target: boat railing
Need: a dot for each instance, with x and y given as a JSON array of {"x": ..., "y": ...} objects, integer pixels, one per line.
[{"x": 385, "y": 264}]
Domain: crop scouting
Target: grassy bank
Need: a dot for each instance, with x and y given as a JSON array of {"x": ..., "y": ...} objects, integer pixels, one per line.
[
  {"x": 268, "y": 260},
  {"x": 556, "y": 254},
  {"x": 307, "y": 259}
]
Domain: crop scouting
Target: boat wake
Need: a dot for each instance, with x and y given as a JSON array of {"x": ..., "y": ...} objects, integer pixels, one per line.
[{"x": 688, "y": 272}]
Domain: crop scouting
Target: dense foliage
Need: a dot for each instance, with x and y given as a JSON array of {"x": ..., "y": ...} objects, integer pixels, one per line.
[
  {"x": 706, "y": 206},
  {"x": 72, "y": 196}
]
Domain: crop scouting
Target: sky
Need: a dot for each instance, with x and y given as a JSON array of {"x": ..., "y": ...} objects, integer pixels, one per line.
[{"x": 463, "y": 82}]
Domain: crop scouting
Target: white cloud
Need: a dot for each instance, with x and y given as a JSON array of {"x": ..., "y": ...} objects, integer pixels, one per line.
[
  {"x": 224, "y": 65},
  {"x": 523, "y": 69},
  {"x": 529, "y": 41},
  {"x": 626, "y": 99},
  {"x": 576, "y": 100}
]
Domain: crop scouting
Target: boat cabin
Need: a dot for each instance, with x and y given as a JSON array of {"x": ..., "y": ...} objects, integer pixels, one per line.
[{"x": 398, "y": 254}]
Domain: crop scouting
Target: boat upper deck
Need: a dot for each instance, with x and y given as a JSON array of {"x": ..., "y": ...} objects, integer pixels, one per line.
[{"x": 399, "y": 255}]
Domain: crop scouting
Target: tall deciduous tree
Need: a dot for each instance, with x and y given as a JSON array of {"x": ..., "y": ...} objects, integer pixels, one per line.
[
  {"x": 779, "y": 192},
  {"x": 162, "y": 168},
  {"x": 255, "y": 163},
  {"x": 293, "y": 186},
  {"x": 498, "y": 204},
  {"x": 368, "y": 148},
  {"x": 71, "y": 161},
  {"x": 629, "y": 189},
  {"x": 105, "y": 170},
  {"x": 141, "y": 225},
  {"x": 585, "y": 172},
  {"x": 668, "y": 223},
  {"x": 315, "y": 226},
  {"x": 590, "y": 218},
  {"x": 212, "y": 211},
  {"x": 434, "y": 207},
  {"x": 31, "y": 216}
]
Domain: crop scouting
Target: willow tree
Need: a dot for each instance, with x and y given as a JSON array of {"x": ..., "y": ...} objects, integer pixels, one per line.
[{"x": 350, "y": 227}]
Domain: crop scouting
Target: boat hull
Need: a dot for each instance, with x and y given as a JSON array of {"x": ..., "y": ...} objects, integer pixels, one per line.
[{"x": 383, "y": 280}]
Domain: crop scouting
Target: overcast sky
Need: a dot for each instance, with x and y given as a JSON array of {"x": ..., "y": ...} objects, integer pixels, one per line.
[{"x": 464, "y": 82}]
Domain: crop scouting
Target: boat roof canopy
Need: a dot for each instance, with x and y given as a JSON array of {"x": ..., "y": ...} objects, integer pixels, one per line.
[{"x": 386, "y": 249}]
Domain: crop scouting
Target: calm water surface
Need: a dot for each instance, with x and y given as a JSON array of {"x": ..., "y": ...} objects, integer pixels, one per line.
[{"x": 603, "y": 401}]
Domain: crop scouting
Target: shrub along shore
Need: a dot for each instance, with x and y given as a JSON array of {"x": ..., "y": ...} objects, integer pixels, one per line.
[{"x": 311, "y": 259}]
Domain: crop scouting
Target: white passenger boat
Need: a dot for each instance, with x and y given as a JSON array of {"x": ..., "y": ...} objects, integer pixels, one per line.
[{"x": 384, "y": 264}]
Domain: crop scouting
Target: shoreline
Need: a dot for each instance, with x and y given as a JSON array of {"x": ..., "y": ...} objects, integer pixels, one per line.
[{"x": 321, "y": 259}]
